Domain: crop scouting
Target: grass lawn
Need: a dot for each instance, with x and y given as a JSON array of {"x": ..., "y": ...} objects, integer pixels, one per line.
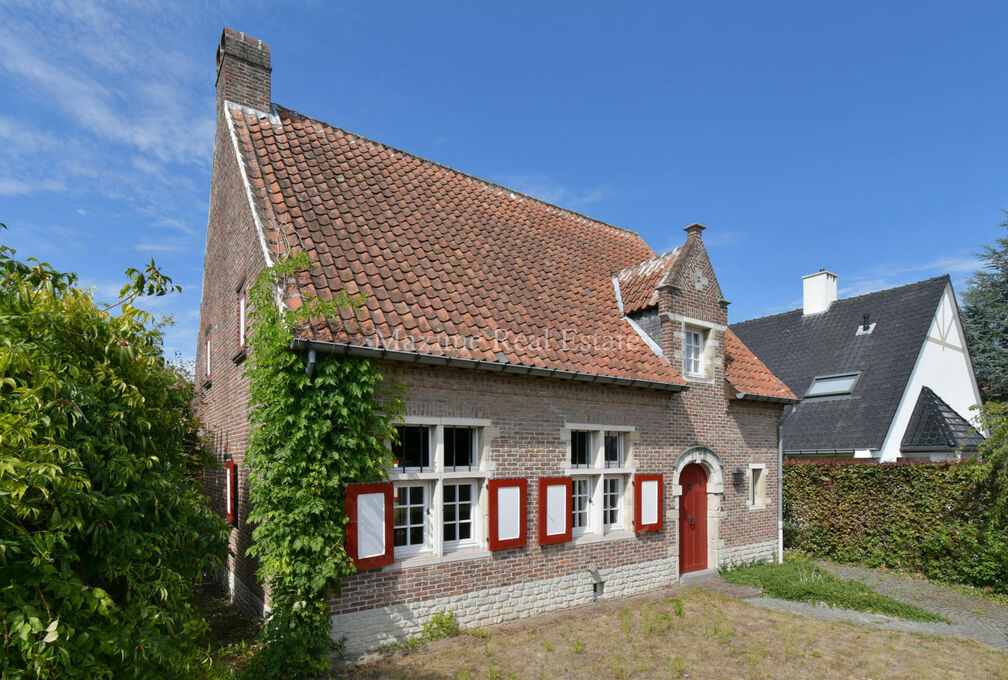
[
  {"x": 690, "y": 635},
  {"x": 800, "y": 580}
]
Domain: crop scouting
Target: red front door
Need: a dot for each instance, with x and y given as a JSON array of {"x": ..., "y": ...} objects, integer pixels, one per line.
[{"x": 693, "y": 519}]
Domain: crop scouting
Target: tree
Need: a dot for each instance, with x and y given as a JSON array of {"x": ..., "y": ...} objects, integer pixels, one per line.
[
  {"x": 985, "y": 320},
  {"x": 104, "y": 531}
]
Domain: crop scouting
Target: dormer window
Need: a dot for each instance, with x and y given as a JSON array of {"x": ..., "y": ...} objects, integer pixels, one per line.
[
  {"x": 832, "y": 385},
  {"x": 693, "y": 356}
]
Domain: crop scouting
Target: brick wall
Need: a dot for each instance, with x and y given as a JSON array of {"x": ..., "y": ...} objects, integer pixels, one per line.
[{"x": 232, "y": 260}]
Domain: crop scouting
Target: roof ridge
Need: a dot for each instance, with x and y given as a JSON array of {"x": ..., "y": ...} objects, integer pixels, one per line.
[
  {"x": 847, "y": 299},
  {"x": 641, "y": 266},
  {"x": 488, "y": 183}
]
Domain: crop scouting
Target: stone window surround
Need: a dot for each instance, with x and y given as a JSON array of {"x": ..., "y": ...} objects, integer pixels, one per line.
[
  {"x": 751, "y": 479},
  {"x": 596, "y": 530},
  {"x": 434, "y": 478},
  {"x": 681, "y": 323}
]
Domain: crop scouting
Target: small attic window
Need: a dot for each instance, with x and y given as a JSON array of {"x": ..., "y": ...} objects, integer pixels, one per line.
[{"x": 829, "y": 385}]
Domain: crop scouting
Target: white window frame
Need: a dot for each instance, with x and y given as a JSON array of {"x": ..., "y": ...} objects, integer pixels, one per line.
[
  {"x": 693, "y": 361},
  {"x": 425, "y": 546},
  {"x": 241, "y": 319},
  {"x": 757, "y": 474},
  {"x": 474, "y": 494},
  {"x": 208, "y": 348},
  {"x": 435, "y": 475},
  {"x": 596, "y": 472},
  {"x": 586, "y": 527},
  {"x": 617, "y": 507}
]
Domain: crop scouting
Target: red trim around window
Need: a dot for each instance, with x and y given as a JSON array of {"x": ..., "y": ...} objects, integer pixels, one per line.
[
  {"x": 638, "y": 502},
  {"x": 544, "y": 484},
  {"x": 231, "y": 493},
  {"x": 494, "y": 485},
  {"x": 352, "y": 492}
]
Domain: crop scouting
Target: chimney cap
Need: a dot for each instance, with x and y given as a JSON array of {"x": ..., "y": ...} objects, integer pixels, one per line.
[
  {"x": 694, "y": 228},
  {"x": 820, "y": 273}
]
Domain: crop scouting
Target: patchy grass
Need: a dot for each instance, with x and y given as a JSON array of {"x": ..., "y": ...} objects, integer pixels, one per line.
[
  {"x": 800, "y": 580},
  {"x": 693, "y": 635}
]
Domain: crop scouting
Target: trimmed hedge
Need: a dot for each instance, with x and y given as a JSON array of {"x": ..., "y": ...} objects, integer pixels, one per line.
[{"x": 930, "y": 518}]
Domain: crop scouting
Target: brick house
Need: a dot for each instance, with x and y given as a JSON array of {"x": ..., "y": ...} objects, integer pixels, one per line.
[{"x": 581, "y": 423}]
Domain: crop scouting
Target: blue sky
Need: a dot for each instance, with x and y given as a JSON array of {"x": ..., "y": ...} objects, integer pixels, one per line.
[{"x": 866, "y": 138}]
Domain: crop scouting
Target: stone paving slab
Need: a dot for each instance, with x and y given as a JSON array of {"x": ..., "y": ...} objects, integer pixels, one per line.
[{"x": 971, "y": 617}]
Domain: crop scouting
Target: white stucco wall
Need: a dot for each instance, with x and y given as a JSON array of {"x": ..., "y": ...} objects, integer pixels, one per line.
[{"x": 944, "y": 366}]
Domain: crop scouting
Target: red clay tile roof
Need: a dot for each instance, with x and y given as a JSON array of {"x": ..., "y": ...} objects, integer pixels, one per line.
[
  {"x": 747, "y": 374},
  {"x": 450, "y": 265},
  {"x": 639, "y": 284}
]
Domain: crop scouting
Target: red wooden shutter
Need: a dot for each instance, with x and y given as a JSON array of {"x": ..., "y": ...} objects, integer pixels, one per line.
[
  {"x": 508, "y": 511},
  {"x": 648, "y": 502},
  {"x": 555, "y": 505},
  {"x": 230, "y": 490},
  {"x": 369, "y": 540}
]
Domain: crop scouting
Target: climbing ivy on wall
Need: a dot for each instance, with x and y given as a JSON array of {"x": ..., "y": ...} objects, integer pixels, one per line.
[
  {"x": 311, "y": 436},
  {"x": 945, "y": 520}
]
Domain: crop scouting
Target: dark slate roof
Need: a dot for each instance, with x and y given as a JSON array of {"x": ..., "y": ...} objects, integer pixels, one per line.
[
  {"x": 797, "y": 348},
  {"x": 935, "y": 426}
]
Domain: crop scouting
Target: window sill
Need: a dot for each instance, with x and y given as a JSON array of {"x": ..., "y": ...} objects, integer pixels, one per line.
[
  {"x": 426, "y": 560},
  {"x": 761, "y": 506},
  {"x": 699, "y": 379},
  {"x": 431, "y": 475},
  {"x": 589, "y": 539},
  {"x": 585, "y": 472}
]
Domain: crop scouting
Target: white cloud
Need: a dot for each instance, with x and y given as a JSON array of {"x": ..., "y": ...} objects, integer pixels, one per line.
[{"x": 547, "y": 189}]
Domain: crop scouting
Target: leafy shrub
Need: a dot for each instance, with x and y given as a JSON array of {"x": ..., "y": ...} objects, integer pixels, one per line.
[
  {"x": 104, "y": 532},
  {"x": 945, "y": 520},
  {"x": 441, "y": 625},
  {"x": 312, "y": 436}
]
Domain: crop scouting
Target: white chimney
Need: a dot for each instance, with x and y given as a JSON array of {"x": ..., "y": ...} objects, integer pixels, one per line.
[{"x": 820, "y": 291}]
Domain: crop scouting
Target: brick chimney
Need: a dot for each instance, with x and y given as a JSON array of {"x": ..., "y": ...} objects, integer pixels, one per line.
[{"x": 243, "y": 71}]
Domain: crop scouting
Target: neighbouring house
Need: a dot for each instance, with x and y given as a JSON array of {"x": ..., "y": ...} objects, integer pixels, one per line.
[
  {"x": 581, "y": 423},
  {"x": 881, "y": 376}
]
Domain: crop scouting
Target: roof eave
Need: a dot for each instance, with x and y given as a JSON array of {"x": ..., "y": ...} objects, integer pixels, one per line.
[
  {"x": 766, "y": 397},
  {"x": 346, "y": 349}
]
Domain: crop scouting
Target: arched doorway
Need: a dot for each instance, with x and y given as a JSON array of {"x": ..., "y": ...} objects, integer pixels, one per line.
[{"x": 693, "y": 519}]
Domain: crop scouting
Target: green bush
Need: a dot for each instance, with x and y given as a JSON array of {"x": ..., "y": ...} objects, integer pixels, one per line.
[
  {"x": 104, "y": 532},
  {"x": 945, "y": 520}
]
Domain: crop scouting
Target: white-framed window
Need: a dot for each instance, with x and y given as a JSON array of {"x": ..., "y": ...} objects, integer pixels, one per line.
[
  {"x": 580, "y": 498},
  {"x": 581, "y": 449},
  {"x": 601, "y": 468},
  {"x": 241, "y": 319},
  {"x": 830, "y": 385},
  {"x": 206, "y": 350},
  {"x": 410, "y": 511},
  {"x": 612, "y": 502},
  {"x": 757, "y": 485},
  {"x": 613, "y": 442},
  {"x": 439, "y": 474},
  {"x": 694, "y": 352}
]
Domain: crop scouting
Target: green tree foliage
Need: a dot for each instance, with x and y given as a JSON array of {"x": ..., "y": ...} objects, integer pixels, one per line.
[
  {"x": 946, "y": 520},
  {"x": 312, "y": 436},
  {"x": 104, "y": 532},
  {"x": 985, "y": 320}
]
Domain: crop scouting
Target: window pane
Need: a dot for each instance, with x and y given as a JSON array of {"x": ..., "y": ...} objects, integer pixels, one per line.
[
  {"x": 580, "y": 443},
  {"x": 839, "y": 384},
  {"x": 613, "y": 454},
  {"x": 612, "y": 490},
  {"x": 413, "y": 448},
  {"x": 458, "y": 447},
  {"x": 579, "y": 504},
  {"x": 457, "y": 511},
  {"x": 408, "y": 512}
]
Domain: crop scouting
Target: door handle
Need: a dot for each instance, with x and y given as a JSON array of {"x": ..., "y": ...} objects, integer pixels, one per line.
[{"x": 691, "y": 521}]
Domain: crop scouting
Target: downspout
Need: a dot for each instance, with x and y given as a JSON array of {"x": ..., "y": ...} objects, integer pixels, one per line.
[
  {"x": 310, "y": 366},
  {"x": 780, "y": 486}
]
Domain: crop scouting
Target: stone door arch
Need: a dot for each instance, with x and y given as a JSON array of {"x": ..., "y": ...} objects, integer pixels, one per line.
[{"x": 711, "y": 464}]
